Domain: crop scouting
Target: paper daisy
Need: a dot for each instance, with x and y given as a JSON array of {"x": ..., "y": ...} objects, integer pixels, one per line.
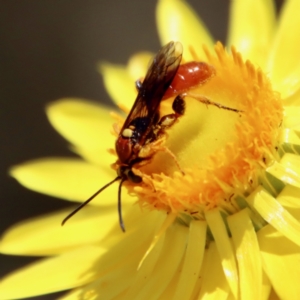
[{"x": 228, "y": 228}]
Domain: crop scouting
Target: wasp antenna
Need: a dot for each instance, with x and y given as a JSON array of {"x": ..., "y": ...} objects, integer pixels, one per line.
[
  {"x": 88, "y": 201},
  {"x": 120, "y": 205}
]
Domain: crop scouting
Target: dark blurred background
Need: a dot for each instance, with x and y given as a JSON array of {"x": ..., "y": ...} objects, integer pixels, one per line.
[{"x": 48, "y": 50}]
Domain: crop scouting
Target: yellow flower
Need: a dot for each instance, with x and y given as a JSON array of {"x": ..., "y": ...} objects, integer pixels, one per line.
[{"x": 226, "y": 229}]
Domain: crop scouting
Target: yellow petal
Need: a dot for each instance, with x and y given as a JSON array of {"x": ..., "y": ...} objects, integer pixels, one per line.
[
  {"x": 287, "y": 170},
  {"x": 59, "y": 273},
  {"x": 69, "y": 179},
  {"x": 247, "y": 254},
  {"x": 168, "y": 221},
  {"x": 289, "y": 199},
  {"x": 138, "y": 65},
  {"x": 177, "y": 21},
  {"x": 284, "y": 63},
  {"x": 118, "y": 267},
  {"x": 136, "y": 237},
  {"x": 218, "y": 229},
  {"x": 280, "y": 259},
  {"x": 118, "y": 84},
  {"x": 45, "y": 235},
  {"x": 274, "y": 213},
  {"x": 291, "y": 119},
  {"x": 95, "y": 155},
  {"x": 167, "y": 264},
  {"x": 148, "y": 222},
  {"x": 293, "y": 99},
  {"x": 267, "y": 288},
  {"x": 252, "y": 36},
  {"x": 121, "y": 259},
  {"x": 83, "y": 123},
  {"x": 146, "y": 269},
  {"x": 169, "y": 291},
  {"x": 192, "y": 261},
  {"x": 289, "y": 136},
  {"x": 110, "y": 284},
  {"x": 273, "y": 295},
  {"x": 214, "y": 285}
]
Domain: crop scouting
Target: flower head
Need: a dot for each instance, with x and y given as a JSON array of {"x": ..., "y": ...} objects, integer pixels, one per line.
[{"x": 218, "y": 209}]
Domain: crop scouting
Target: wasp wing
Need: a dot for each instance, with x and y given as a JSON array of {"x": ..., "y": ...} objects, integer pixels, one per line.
[{"x": 157, "y": 80}]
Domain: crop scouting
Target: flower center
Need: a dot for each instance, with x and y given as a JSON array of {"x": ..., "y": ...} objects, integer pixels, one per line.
[{"x": 222, "y": 153}]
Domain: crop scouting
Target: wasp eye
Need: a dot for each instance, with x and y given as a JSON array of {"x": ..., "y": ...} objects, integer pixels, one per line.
[{"x": 134, "y": 178}]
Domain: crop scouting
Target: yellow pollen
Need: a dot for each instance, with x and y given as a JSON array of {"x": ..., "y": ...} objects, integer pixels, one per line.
[{"x": 222, "y": 153}]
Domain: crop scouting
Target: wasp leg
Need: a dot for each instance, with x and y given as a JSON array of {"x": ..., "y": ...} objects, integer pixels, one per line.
[
  {"x": 179, "y": 105},
  {"x": 155, "y": 142},
  {"x": 170, "y": 153},
  {"x": 206, "y": 101},
  {"x": 150, "y": 149},
  {"x": 167, "y": 121}
]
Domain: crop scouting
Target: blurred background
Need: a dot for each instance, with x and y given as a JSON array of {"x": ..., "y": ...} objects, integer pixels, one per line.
[{"x": 49, "y": 50}]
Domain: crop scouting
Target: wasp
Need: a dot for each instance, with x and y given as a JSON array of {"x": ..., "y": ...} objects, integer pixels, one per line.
[{"x": 144, "y": 125}]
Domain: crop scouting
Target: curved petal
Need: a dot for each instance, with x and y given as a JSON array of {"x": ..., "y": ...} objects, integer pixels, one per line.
[
  {"x": 95, "y": 156},
  {"x": 113, "y": 277},
  {"x": 138, "y": 64},
  {"x": 289, "y": 138},
  {"x": 294, "y": 99},
  {"x": 67, "y": 178},
  {"x": 227, "y": 255},
  {"x": 118, "y": 267},
  {"x": 177, "y": 21},
  {"x": 284, "y": 61},
  {"x": 275, "y": 214},
  {"x": 83, "y": 123},
  {"x": 118, "y": 84},
  {"x": 280, "y": 259},
  {"x": 50, "y": 275},
  {"x": 109, "y": 286},
  {"x": 287, "y": 170},
  {"x": 146, "y": 269},
  {"x": 291, "y": 119},
  {"x": 267, "y": 289},
  {"x": 289, "y": 199},
  {"x": 213, "y": 282},
  {"x": 167, "y": 264},
  {"x": 45, "y": 235},
  {"x": 247, "y": 254},
  {"x": 192, "y": 261},
  {"x": 251, "y": 28}
]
